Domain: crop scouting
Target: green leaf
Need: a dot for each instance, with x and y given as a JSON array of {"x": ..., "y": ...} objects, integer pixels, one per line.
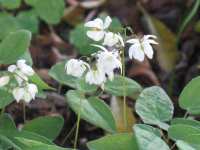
[
  {"x": 190, "y": 97},
  {"x": 95, "y": 107},
  {"x": 8, "y": 24},
  {"x": 189, "y": 17},
  {"x": 27, "y": 57},
  {"x": 36, "y": 145},
  {"x": 10, "y": 4},
  {"x": 186, "y": 133},
  {"x": 7, "y": 144},
  {"x": 50, "y": 11},
  {"x": 47, "y": 126},
  {"x": 79, "y": 39},
  {"x": 58, "y": 73},
  {"x": 154, "y": 107},
  {"x": 6, "y": 122},
  {"x": 5, "y": 98},
  {"x": 9, "y": 53},
  {"x": 148, "y": 138},
  {"x": 39, "y": 82},
  {"x": 184, "y": 146},
  {"x": 120, "y": 141},
  {"x": 116, "y": 87},
  {"x": 190, "y": 122},
  {"x": 28, "y": 20}
]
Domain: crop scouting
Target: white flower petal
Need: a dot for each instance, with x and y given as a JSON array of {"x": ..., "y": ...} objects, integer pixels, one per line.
[
  {"x": 12, "y": 68},
  {"x": 133, "y": 41},
  {"x": 18, "y": 93},
  {"x": 136, "y": 52},
  {"x": 107, "y": 22},
  {"x": 27, "y": 97},
  {"x": 4, "y": 80},
  {"x": 99, "y": 46},
  {"x": 96, "y": 77},
  {"x": 96, "y": 35},
  {"x": 146, "y": 37},
  {"x": 24, "y": 68},
  {"x": 110, "y": 39},
  {"x": 96, "y": 23},
  {"x": 148, "y": 50},
  {"x": 32, "y": 90}
]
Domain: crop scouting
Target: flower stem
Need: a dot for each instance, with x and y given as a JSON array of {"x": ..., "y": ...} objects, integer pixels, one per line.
[
  {"x": 124, "y": 91},
  {"x": 77, "y": 126}
]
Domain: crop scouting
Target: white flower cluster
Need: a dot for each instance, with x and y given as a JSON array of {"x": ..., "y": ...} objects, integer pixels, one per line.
[
  {"x": 21, "y": 72},
  {"x": 108, "y": 60}
]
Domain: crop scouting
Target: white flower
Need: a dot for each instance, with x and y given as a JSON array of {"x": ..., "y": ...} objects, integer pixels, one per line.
[
  {"x": 112, "y": 39},
  {"x": 141, "y": 47},
  {"x": 4, "y": 80},
  {"x": 108, "y": 61},
  {"x": 76, "y": 67},
  {"x": 21, "y": 71},
  {"x": 24, "y": 68},
  {"x": 98, "y": 27},
  {"x": 26, "y": 93},
  {"x": 96, "y": 77}
]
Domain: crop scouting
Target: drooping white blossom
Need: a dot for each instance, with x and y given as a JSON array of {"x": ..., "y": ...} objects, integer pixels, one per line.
[
  {"x": 21, "y": 71},
  {"x": 97, "y": 28},
  {"x": 107, "y": 61},
  {"x": 76, "y": 67},
  {"x": 26, "y": 93},
  {"x": 112, "y": 39},
  {"x": 4, "y": 80},
  {"x": 142, "y": 47},
  {"x": 95, "y": 76}
]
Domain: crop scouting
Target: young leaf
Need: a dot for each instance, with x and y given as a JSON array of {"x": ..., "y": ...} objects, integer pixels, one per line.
[
  {"x": 100, "y": 112},
  {"x": 9, "y": 53},
  {"x": 80, "y": 40},
  {"x": 50, "y": 11},
  {"x": 28, "y": 20},
  {"x": 8, "y": 24},
  {"x": 186, "y": 133},
  {"x": 190, "y": 97},
  {"x": 10, "y": 4},
  {"x": 116, "y": 87},
  {"x": 120, "y": 141},
  {"x": 154, "y": 107},
  {"x": 148, "y": 138},
  {"x": 5, "y": 98},
  {"x": 36, "y": 145},
  {"x": 47, "y": 126}
]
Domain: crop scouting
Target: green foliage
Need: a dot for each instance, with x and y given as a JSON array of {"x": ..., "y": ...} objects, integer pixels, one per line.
[
  {"x": 120, "y": 141},
  {"x": 190, "y": 97},
  {"x": 10, "y": 4},
  {"x": 154, "y": 107},
  {"x": 28, "y": 20},
  {"x": 117, "y": 88},
  {"x": 48, "y": 126},
  {"x": 149, "y": 138},
  {"x": 10, "y": 53},
  {"x": 6, "y": 98},
  {"x": 50, "y": 11},
  {"x": 93, "y": 106}
]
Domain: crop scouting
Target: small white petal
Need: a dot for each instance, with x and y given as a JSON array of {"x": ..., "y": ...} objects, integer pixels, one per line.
[
  {"x": 96, "y": 35},
  {"x": 99, "y": 46},
  {"x": 107, "y": 22},
  {"x": 18, "y": 93},
  {"x": 146, "y": 37},
  {"x": 4, "y": 80},
  {"x": 32, "y": 90},
  {"x": 27, "y": 97},
  {"x": 96, "y": 23},
  {"x": 148, "y": 50},
  {"x": 120, "y": 39},
  {"x": 110, "y": 39},
  {"x": 136, "y": 52},
  {"x": 96, "y": 77},
  {"x": 133, "y": 41},
  {"x": 24, "y": 68},
  {"x": 12, "y": 68}
]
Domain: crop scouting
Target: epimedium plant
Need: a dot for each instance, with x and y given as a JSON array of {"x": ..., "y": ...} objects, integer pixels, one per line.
[{"x": 89, "y": 77}]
